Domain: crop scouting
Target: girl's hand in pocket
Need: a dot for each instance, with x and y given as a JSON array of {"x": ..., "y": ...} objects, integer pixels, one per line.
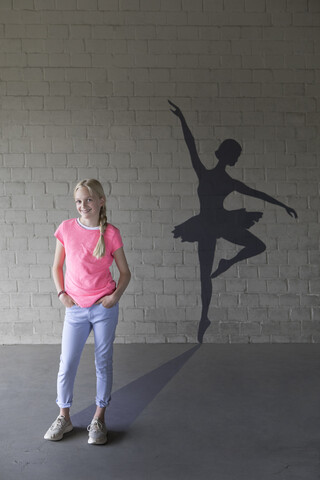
[
  {"x": 109, "y": 301},
  {"x": 66, "y": 300}
]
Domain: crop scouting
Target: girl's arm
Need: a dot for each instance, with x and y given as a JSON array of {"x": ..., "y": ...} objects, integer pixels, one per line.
[
  {"x": 110, "y": 300},
  {"x": 57, "y": 273},
  {"x": 188, "y": 137},
  {"x": 242, "y": 188}
]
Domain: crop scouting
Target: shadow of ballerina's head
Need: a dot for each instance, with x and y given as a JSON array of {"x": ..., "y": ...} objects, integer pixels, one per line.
[{"x": 229, "y": 151}]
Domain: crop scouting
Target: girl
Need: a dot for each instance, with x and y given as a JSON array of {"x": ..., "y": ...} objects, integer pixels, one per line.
[{"x": 88, "y": 245}]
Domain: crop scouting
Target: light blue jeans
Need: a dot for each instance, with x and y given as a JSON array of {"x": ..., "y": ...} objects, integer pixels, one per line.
[{"x": 78, "y": 324}]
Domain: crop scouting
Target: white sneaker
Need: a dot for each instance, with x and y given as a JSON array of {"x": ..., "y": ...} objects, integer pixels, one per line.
[
  {"x": 97, "y": 432},
  {"x": 59, "y": 427}
]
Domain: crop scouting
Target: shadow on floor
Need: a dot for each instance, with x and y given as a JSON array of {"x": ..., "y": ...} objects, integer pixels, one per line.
[{"x": 129, "y": 401}]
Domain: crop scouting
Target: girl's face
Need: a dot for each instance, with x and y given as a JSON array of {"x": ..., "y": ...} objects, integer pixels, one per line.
[{"x": 88, "y": 206}]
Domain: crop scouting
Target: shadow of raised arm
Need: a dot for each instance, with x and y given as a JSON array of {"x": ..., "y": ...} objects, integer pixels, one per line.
[{"x": 195, "y": 159}]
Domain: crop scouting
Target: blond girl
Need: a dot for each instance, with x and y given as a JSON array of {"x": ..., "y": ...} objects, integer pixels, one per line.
[{"x": 87, "y": 246}]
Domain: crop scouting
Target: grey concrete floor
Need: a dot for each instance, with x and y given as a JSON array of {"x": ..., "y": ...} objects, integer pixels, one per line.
[{"x": 223, "y": 412}]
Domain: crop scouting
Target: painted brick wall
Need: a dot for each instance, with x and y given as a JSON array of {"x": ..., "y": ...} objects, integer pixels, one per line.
[{"x": 84, "y": 87}]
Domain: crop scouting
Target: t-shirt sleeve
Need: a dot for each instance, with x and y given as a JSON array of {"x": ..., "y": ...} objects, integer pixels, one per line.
[
  {"x": 59, "y": 233},
  {"x": 116, "y": 241}
]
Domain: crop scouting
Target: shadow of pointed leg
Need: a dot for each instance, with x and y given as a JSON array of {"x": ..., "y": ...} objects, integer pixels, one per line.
[
  {"x": 203, "y": 326},
  {"x": 222, "y": 267}
]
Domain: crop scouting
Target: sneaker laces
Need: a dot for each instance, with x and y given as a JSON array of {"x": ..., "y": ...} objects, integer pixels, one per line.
[
  {"x": 95, "y": 426},
  {"x": 57, "y": 423}
]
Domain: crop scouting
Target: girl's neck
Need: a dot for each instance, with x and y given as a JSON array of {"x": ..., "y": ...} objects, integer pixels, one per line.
[{"x": 92, "y": 223}]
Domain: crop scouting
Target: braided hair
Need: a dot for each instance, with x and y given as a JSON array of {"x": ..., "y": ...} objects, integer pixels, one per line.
[{"x": 95, "y": 187}]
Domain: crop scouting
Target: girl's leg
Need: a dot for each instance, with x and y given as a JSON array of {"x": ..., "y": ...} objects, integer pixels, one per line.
[
  {"x": 65, "y": 412},
  {"x": 100, "y": 413},
  {"x": 104, "y": 323},
  {"x": 76, "y": 330}
]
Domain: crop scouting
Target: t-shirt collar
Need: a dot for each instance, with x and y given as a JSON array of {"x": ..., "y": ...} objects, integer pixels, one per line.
[{"x": 87, "y": 228}]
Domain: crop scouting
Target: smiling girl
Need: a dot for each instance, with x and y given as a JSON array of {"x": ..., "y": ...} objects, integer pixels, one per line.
[{"x": 88, "y": 245}]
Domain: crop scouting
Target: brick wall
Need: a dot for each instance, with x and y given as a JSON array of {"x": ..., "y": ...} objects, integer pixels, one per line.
[{"x": 84, "y": 87}]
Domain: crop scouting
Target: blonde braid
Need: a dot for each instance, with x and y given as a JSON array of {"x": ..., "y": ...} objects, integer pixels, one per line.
[{"x": 100, "y": 249}]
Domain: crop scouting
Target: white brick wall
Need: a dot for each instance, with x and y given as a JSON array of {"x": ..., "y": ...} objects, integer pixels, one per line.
[{"x": 84, "y": 87}]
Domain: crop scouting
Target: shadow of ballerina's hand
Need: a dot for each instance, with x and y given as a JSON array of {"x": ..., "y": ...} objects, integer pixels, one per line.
[
  {"x": 291, "y": 212},
  {"x": 176, "y": 110}
]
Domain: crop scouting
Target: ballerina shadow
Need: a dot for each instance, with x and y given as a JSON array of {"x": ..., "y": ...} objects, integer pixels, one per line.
[{"x": 214, "y": 221}]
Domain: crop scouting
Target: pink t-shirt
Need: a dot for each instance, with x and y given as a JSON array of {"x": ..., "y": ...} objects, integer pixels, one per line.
[{"x": 87, "y": 278}]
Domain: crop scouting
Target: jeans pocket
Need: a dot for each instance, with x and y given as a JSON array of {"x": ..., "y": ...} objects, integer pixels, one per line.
[{"x": 109, "y": 308}]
